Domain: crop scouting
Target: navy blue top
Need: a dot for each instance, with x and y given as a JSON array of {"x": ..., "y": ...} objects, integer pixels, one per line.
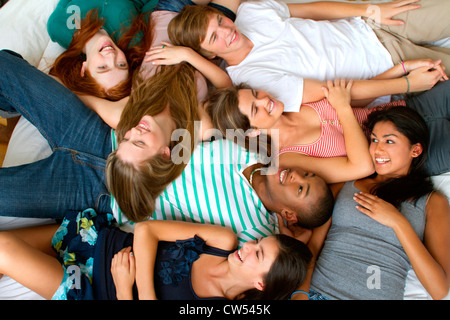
[{"x": 173, "y": 265}]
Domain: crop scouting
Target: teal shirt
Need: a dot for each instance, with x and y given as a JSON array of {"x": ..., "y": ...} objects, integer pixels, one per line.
[{"x": 117, "y": 14}]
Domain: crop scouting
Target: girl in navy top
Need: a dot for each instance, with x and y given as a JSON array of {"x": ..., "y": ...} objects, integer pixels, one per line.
[{"x": 102, "y": 262}]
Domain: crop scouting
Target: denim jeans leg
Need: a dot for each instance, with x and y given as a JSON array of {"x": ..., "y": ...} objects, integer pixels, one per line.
[
  {"x": 72, "y": 178},
  {"x": 64, "y": 182},
  {"x": 59, "y": 115},
  {"x": 173, "y": 5},
  {"x": 434, "y": 107}
]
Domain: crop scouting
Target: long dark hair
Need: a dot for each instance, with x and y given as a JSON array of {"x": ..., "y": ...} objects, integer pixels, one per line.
[
  {"x": 417, "y": 182},
  {"x": 287, "y": 272}
]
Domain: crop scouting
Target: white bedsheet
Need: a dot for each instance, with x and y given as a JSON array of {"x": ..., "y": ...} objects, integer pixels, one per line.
[{"x": 23, "y": 30}]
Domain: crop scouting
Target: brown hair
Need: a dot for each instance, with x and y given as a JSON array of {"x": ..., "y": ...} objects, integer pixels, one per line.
[
  {"x": 136, "y": 189},
  {"x": 67, "y": 66},
  {"x": 223, "y": 109},
  {"x": 416, "y": 183},
  {"x": 287, "y": 272},
  {"x": 189, "y": 27}
]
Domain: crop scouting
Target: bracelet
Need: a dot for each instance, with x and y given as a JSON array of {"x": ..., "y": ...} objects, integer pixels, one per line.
[
  {"x": 404, "y": 68},
  {"x": 299, "y": 292},
  {"x": 407, "y": 81}
]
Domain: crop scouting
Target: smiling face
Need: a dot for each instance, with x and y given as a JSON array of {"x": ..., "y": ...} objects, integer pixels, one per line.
[
  {"x": 294, "y": 189},
  {"x": 105, "y": 62},
  {"x": 222, "y": 36},
  {"x": 261, "y": 108},
  {"x": 391, "y": 151},
  {"x": 296, "y": 194},
  {"x": 148, "y": 139},
  {"x": 254, "y": 259}
]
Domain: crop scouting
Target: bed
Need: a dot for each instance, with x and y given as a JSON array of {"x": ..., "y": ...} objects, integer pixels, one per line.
[{"x": 23, "y": 25}]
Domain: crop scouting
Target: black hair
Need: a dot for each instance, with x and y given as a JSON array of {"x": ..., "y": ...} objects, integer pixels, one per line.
[
  {"x": 417, "y": 182},
  {"x": 287, "y": 272},
  {"x": 317, "y": 215}
]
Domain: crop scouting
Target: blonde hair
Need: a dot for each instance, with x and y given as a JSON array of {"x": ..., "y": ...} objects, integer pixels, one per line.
[
  {"x": 136, "y": 189},
  {"x": 189, "y": 27}
]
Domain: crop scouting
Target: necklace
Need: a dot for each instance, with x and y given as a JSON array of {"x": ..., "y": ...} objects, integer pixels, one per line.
[{"x": 253, "y": 172}]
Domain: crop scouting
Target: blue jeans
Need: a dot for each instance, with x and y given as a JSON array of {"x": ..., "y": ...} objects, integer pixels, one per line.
[
  {"x": 171, "y": 5},
  {"x": 434, "y": 107},
  {"x": 72, "y": 178},
  {"x": 178, "y": 5},
  {"x": 314, "y": 295}
]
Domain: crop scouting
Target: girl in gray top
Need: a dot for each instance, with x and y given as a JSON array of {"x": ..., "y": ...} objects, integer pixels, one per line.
[{"x": 397, "y": 222}]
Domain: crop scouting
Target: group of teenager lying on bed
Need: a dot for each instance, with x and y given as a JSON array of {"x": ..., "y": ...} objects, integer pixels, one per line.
[{"x": 251, "y": 130}]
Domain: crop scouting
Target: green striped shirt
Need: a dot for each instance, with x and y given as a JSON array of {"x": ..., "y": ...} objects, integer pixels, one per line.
[{"x": 212, "y": 189}]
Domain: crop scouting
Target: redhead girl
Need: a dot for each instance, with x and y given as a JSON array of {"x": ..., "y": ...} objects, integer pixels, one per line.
[
  {"x": 73, "y": 176},
  {"x": 325, "y": 137},
  {"x": 103, "y": 44}
]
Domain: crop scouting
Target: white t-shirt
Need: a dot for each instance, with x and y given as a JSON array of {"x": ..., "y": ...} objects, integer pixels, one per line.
[{"x": 287, "y": 50}]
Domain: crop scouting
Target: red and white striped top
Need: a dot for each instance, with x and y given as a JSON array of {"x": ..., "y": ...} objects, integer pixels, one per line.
[{"x": 331, "y": 142}]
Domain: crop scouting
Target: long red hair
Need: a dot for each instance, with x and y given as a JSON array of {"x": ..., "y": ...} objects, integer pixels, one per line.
[{"x": 68, "y": 65}]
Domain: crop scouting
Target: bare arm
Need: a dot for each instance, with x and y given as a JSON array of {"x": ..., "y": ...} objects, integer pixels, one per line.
[
  {"x": 358, "y": 163},
  {"x": 109, "y": 111},
  {"x": 168, "y": 54},
  {"x": 329, "y": 10},
  {"x": 147, "y": 235},
  {"x": 437, "y": 242},
  {"x": 420, "y": 79},
  {"x": 430, "y": 259},
  {"x": 408, "y": 66}
]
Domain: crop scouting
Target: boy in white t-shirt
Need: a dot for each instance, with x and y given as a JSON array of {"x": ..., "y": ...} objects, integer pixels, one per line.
[{"x": 284, "y": 49}]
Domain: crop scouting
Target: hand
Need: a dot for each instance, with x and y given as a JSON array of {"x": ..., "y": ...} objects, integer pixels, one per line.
[
  {"x": 338, "y": 94},
  {"x": 123, "y": 270},
  {"x": 424, "y": 78},
  {"x": 411, "y": 65},
  {"x": 293, "y": 230},
  {"x": 382, "y": 13},
  {"x": 378, "y": 209},
  {"x": 167, "y": 54}
]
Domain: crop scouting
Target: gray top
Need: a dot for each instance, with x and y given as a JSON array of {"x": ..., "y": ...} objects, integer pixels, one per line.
[{"x": 361, "y": 258}]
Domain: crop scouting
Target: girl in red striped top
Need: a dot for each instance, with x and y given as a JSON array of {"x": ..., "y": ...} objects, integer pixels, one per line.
[
  {"x": 259, "y": 110},
  {"x": 325, "y": 137},
  {"x": 331, "y": 141}
]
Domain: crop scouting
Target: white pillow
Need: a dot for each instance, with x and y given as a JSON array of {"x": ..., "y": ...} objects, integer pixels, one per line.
[{"x": 23, "y": 25}]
